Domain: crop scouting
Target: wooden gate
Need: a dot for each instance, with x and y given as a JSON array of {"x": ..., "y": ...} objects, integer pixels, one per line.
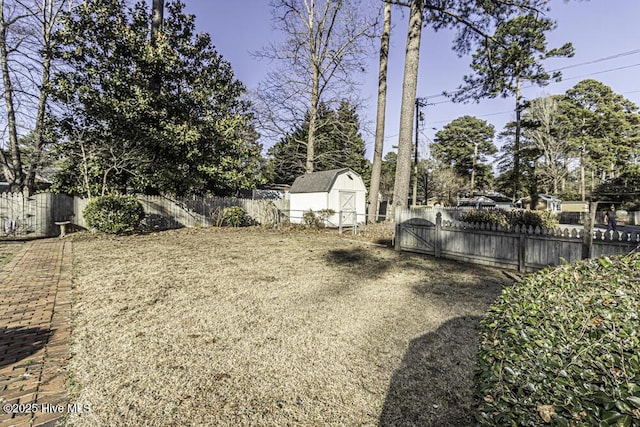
[{"x": 416, "y": 235}]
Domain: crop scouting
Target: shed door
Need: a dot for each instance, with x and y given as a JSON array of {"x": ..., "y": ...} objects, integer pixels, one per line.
[{"x": 347, "y": 208}]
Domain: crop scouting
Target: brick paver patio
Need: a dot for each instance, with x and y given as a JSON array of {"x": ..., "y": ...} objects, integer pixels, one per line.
[{"x": 35, "y": 308}]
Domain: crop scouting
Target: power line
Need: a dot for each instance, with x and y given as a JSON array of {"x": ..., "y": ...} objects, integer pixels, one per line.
[
  {"x": 631, "y": 52},
  {"x": 530, "y": 86},
  {"x": 601, "y": 72},
  {"x": 593, "y": 61}
]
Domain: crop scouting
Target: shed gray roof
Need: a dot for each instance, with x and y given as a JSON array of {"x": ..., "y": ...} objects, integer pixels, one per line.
[{"x": 317, "y": 182}]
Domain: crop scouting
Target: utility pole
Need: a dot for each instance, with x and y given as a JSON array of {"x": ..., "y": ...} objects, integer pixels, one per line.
[{"x": 420, "y": 102}]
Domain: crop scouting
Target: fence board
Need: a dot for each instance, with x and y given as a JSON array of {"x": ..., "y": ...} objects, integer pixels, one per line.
[
  {"x": 525, "y": 249},
  {"x": 35, "y": 216}
]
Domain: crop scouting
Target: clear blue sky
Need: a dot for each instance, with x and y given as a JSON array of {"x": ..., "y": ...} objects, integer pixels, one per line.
[{"x": 599, "y": 30}]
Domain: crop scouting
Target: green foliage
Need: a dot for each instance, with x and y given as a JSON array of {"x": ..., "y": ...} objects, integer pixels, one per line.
[
  {"x": 590, "y": 126},
  {"x": 622, "y": 190},
  {"x": 114, "y": 214},
  {"x": 514, "y": 54},
  {"x": 120, "y": 130},
  {"x": 338, "y": 144},
  {"x": 523, "y": 217},
  {"x": 520, "y": 217},
  {"x": 388, "y": 174},
  {"x": 604, "y": 127},
  {"x": 236, "y": 216},
  {"x": 464, "y": 144},
  {"x": 563, "y": 347},
  {"x": 317, "y": 219},
  {"x": 486, "y": 216}
]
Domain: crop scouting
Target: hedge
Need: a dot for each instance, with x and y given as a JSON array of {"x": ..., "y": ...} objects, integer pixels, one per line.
[{"x": 563, "y": 347}]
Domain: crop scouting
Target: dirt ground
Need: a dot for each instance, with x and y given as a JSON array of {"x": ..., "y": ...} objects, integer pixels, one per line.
[{"x": 264, "y": 327}]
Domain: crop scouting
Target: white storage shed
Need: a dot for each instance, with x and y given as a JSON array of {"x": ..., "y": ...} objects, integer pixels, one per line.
[{"x": 341, "y": 190}]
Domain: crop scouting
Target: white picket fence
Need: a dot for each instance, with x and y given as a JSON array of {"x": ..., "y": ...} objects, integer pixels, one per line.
[{"x": 520, "y": 248}]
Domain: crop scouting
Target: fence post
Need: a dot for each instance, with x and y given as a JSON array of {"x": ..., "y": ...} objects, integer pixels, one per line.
[
  {"x": 438, "y": 243},
  {"x": 522, "y": 250},
  {"x": 587, "y": 239},
  {"x": 398, "y": 234}
]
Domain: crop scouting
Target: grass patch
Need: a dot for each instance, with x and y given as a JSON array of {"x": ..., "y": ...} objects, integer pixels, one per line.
[{"x": 254, "y": 327}]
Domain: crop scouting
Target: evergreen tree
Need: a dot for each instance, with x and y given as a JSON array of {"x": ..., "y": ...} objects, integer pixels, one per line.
[
  {"x": 464, "y": 144},
  {"x": 604, "y": 131},
  {"x": 527, "y": 159},
  {"x": 338, "y": 144},
  {"x": 474, "y": 20},
  {"x": 122, "y": 132},
  {"x": 388, "y": 174},
  {"x": 514, "y": 54}
]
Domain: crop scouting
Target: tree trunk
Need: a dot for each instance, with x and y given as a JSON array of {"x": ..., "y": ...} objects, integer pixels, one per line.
[
  {"x": 516, "y": 144},
  {"x": 409, "y": 88},
  {"x": 582, "y": 174},
  {"x": 48, "y": 22},
  {"x": 473, "y": 167},
  {"x": 157, "y": 17},
  {"x": 313, "y": 119},
  {"x": 376, "y": 168},
  {"x": 315, "y": 88},
  {"x": 14, "y": 171}
]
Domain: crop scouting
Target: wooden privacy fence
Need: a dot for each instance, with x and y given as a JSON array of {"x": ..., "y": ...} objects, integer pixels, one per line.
[
  {"x": 520, "y": 248},
  {"x": 33, "y": 216},
  {"x": 23, "y": 216}
]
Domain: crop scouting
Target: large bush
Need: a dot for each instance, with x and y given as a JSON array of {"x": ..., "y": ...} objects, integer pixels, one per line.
[
  {"x": 521, "y": 217},
  {"x": 114, "y": 214},
  {"x": 563, "y": 347},
  {"x": 236, "y": 216}
]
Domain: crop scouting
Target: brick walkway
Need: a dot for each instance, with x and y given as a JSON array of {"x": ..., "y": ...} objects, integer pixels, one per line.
[{"x": 35, "y": 308}]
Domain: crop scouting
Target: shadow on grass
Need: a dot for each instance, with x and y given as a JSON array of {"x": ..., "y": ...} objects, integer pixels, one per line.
[
  {"x": 17, "y": 344},
  {"x": 476, "y": 285},
  {"x": 360, "y": 262},
  {"x": 434, "y": 385}
]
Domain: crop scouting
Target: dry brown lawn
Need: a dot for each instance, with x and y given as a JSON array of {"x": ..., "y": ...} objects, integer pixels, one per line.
[{"x": 263, "y": 327}]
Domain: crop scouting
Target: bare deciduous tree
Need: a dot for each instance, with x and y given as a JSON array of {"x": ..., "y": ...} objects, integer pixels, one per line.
[
  {"x": 26, "y": 29},
  {"x": 324, "y": 48},
  {"x": 550, "y": 139}
]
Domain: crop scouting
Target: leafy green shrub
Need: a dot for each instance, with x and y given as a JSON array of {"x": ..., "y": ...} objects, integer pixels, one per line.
[
  {"x": 542, "y": 219},
  {"x": 235, "y": 216},
  {"x": 114, "y": 214},
  {"x": 521, "y": 217},
  {"x": 563, "y": 347},
  {"x": 482, "y": 216}
]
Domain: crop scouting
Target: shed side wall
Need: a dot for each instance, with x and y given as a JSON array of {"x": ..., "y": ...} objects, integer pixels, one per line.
[{"x": 301, "y": 202}]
